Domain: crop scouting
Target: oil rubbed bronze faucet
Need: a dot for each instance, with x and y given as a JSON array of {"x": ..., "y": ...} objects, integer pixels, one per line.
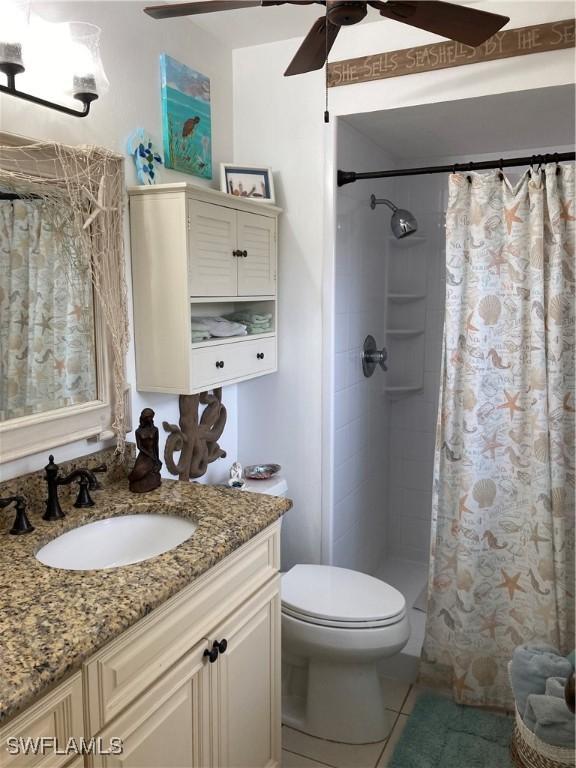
[
  {"x": 21, "y": 523},
  {"x": 87, "y": 482}
]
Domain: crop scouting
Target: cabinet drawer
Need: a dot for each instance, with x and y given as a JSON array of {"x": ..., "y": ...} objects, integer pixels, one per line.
[
  {"x": 256, "y": 356},
  {"x": 226, "y": 362},
  {"x": 122, "y": 670},
  {"x": 58, "y": 714}
]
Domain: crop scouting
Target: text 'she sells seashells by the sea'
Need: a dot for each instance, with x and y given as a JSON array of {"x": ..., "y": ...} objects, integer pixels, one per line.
[
  {"x": 484, "y": 492},
  {"x": 489, "y": 309},
  {"x": 541, "y": 451}
]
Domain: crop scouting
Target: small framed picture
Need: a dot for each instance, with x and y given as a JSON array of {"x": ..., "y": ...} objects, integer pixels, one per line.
[{"x": 247, "y": 181}]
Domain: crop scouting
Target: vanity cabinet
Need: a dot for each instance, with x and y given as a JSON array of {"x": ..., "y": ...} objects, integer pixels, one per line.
[
  {"x": 197, "y": 252},
  {"x": 155, "y": 688}
]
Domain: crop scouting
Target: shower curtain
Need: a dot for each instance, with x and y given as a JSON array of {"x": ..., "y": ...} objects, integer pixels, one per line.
[
  {"x": 46, "y": 327},
  {"x": 502, "y": 553}
]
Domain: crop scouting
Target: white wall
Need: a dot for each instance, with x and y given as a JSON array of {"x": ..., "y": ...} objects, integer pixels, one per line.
[
  {"x": 279, "y": 121},
  {"x": 131, "y": 45},
  {"x": 360, "y": 436}
]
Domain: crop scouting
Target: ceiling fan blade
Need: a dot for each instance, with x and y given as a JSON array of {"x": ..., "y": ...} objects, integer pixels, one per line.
[
  {"x": 314, "y": 51},
  {"x": 456, "y": 22},
  {"x": 172, "y": 10}
]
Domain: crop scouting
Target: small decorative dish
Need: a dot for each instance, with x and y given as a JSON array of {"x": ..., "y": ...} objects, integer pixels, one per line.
[{"x": 261, "y": 471}]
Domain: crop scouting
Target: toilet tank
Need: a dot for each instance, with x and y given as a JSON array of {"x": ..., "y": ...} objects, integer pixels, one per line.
[{"x": 275, "y": 486}]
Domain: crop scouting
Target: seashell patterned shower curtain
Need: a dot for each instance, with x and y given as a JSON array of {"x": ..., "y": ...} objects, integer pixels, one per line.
[{"x": 502, "y": 553}]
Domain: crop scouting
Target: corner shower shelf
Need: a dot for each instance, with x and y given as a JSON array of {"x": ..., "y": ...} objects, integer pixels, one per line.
[
  {"x": 399, "y": 391},
  {"x": 407, "y": 242},
  {"x": 402, "y": 298},
  {"x": 405, "y": 334}
]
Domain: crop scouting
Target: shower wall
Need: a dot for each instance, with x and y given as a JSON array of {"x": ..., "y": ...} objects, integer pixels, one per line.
[
  {"x": 361, "y": 418},
  {"x": 413, "y": 418}
]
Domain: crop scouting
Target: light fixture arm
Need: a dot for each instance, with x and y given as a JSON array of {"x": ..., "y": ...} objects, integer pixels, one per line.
[{"x": 11, "y": 70}]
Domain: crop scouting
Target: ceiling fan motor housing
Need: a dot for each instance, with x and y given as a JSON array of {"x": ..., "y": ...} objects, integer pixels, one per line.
[{"x": 343, "y": 13}]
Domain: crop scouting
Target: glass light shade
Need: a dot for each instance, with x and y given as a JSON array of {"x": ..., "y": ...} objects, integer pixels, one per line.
[
  {"x": 85, "y": 64},
  {"x": 13, "y": 32}
]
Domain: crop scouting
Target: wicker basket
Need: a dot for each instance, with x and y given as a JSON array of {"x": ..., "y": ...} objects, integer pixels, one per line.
[{"x": 528, "y": 751}]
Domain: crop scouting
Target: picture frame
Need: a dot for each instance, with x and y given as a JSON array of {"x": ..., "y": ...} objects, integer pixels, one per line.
[{"x": 251, "y": 182}]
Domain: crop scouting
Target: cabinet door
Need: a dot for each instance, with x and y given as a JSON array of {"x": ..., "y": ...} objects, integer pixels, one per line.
[
  {"x": 211, "y": 247},
  {"x": 247, "y": 683},
  {"x": 169, "y": 725},
  {"x": 257, "y": 265}
]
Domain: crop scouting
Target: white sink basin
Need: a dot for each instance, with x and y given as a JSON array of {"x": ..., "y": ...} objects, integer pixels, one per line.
[{"x": 116, "y": 541}]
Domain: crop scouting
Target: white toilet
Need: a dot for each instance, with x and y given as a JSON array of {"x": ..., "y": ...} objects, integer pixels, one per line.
[{"x": 337, "y": 624}]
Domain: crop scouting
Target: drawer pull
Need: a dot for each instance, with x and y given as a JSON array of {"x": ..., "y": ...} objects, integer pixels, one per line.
[
  {"x": 236, "y": 253},
  {"x": 260, "y": 356},
  {"x": 219, "y": 363},
  {"x": 244, "y": 253}
]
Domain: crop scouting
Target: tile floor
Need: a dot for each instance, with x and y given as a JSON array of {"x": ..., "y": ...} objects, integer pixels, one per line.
[{"x": 302, "y": 751}]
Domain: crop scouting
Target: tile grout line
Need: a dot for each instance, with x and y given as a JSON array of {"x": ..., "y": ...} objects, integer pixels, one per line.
[
  {"x": 396, "y": 719},
  {"x": 307, "y": 757}
]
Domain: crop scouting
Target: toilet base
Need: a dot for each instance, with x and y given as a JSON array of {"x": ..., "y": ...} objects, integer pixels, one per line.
[{"x": 344, "y": 703}]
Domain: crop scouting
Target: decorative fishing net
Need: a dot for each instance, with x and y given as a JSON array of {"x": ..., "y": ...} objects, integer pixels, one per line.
[{"x": 82, "y": 189}]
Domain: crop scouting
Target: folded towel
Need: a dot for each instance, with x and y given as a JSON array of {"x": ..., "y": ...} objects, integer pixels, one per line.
[
  {"x": 218, "y": 326},
  {"x": 550, "y": 720},
  {"x": 255, "y": 322},
  {"x": 200, "y": 335},
  {"x": 531, "y": 666},
  {"x": 555, "y": 687}
]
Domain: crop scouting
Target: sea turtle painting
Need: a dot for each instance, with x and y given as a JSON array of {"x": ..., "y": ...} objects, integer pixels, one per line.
[{"x": 186, "y": 118}]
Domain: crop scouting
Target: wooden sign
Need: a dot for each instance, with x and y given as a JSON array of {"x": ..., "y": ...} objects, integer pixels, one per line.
[{"x": 424, "y": 58}]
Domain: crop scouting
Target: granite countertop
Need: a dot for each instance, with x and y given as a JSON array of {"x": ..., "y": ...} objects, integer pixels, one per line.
[{"x": 52, "y": 620}]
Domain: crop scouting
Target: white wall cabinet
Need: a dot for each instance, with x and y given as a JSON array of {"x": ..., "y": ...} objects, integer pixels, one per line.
[
  {"x": 154, "y": 688},
  {"x": 199, "y": 252}
]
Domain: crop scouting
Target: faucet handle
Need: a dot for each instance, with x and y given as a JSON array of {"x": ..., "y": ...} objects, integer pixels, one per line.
[
  {"x": 83, "y": 499},
  {"x": 21, "y": 523},
  {"x": 94, "y": 484}
]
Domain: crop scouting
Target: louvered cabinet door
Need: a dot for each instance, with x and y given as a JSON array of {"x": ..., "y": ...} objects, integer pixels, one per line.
[
  {"x": 211, "y": 250},
  {"x": 257, "y": 263}
]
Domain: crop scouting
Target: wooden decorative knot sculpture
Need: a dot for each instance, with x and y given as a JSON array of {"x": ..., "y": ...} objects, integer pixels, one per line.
[
  {"x": 196, "y": 438},
  {"x": 146, "y": 473}
]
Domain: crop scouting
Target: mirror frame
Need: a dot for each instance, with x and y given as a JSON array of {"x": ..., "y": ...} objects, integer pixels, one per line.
[{"x": 39, "y": 432}]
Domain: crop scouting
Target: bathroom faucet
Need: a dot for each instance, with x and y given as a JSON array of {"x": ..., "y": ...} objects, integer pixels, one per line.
[
  {"x": 87, "y": 482},
  {"x": 21, "y": 523}
]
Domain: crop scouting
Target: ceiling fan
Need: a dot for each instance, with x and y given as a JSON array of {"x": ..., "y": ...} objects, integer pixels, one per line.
[{"x": 460, "y": 23}]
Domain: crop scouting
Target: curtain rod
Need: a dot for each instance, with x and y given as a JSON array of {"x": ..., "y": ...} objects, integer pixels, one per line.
[
  {"x": 347, "y": 177},
  {"x": 16, "y": 196}
]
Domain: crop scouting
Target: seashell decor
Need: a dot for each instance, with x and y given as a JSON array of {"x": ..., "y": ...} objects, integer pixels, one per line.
[
  {"x": 484, "y": 492},
  {"x": 541, "y": 449},
  {"x": 556, "y": 308},
  {"x": 489, "y": 309}
]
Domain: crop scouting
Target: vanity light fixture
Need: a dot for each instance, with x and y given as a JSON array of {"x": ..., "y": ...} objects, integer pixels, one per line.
[{"x": 64, "y": 57}]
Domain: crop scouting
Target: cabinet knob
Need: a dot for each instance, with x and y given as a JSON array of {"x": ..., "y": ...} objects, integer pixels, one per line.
[
  {"x": 222, "y": 645},
  {"x": 212, "y": 653},
  {"x": 244, "y": 253},
  {"x": 236, "y": 253},
  {"x": 219, "y": 363},
  {"x": 260, "y": 355}
]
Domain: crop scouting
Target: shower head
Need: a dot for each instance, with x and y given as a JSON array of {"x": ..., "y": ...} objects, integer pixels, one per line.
[{"x": 402, "y": 223}]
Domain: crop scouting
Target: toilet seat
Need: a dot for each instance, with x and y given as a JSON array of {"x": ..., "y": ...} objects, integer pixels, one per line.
[{"x": 338, "y": 597}]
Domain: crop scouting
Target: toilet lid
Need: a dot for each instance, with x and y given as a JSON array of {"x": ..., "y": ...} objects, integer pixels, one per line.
[{"x": 339, "y": 595}]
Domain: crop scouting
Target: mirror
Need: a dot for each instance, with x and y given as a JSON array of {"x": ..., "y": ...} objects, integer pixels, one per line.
[{"x": 47, "y": 326}]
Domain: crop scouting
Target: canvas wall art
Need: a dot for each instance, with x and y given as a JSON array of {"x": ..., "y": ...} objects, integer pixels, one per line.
[{"x": 186, "y": 118}]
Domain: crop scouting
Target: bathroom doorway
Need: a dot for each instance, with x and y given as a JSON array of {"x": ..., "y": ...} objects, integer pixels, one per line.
[{"x": 378, "y": 482}]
